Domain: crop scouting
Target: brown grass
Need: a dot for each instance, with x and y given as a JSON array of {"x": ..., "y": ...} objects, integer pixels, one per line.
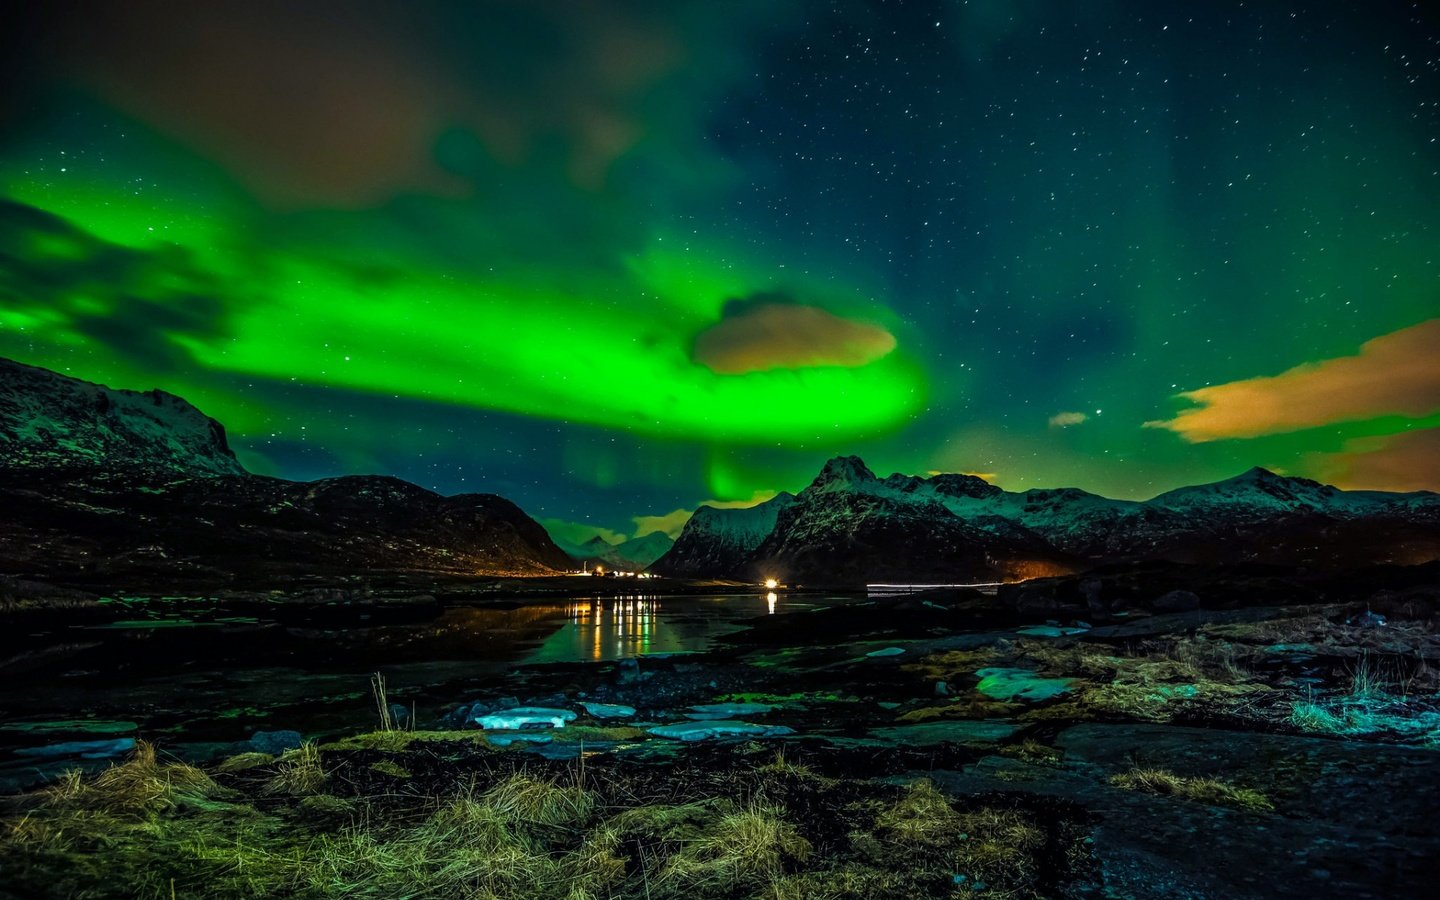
[{"x": 1200, "y": 790}]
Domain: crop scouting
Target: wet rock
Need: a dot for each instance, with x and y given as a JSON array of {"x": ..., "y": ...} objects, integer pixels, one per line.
[
  {"x": 717, "y": 711},
  {"x": 1090, "y": 592},
  {"x": 928, "y": 734},
  {"x": 718, "y": 728},
  {"x": 525, "y": 717},
  {"x": 942, "y": 689},
  {"x": 1177, "y": 601},
  {"x": 627, "y": 671},
  {"x": 1369, "y": 619},
  {"x": 507, "y": 740},
  {"x": 1031, "y": 601},
  {"x": 275, "y": 742},
  {"x": 399, "y": 714},
  {"x": 1049, "y": 631},
  {"x": 82, "y": 749}
]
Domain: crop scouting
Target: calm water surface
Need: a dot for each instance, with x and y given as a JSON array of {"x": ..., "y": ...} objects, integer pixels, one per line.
[{"x": 221, "y": 681}]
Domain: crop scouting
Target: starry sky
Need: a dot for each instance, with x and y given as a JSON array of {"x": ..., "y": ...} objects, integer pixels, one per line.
[{"x": 614, "y": 259}]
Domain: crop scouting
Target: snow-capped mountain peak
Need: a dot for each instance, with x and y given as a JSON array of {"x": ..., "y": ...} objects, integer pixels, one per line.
[{"x": 843, "y": 473}]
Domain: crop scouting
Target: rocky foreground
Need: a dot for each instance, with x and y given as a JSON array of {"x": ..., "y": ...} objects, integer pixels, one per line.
[{"x": 1191, "y": 744}]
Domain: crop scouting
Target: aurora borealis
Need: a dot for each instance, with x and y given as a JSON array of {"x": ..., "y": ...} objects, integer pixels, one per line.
[{"x": 611, "y": 260}]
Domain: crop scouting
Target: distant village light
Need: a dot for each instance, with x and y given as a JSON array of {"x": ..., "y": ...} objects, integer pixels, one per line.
[{"x": 771, "y": 584}]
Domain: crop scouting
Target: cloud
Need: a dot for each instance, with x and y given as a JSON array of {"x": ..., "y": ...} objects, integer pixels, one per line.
[
  {"x": 672, "y": 523},
  {"x": 1066, "y": 419},
  {"x": 766, "y": 332},
  {"x": 579, "y": 532},
  {"x": 756, "y": 498},
  {"x": 342, "y": 102},
  {"x": 1394, "y": 374},
  {"x": 1408, "y": 461}
]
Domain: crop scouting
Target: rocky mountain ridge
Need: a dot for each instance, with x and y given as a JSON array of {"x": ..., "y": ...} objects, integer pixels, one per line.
[
  {"x": 110, "y": 487},
  {"x": 850, "y": 524}
]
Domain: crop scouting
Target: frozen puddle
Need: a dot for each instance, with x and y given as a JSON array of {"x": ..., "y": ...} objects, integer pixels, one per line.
[
  {"x": 718, "y": 728},
  {"x": 525, "y": 717}
]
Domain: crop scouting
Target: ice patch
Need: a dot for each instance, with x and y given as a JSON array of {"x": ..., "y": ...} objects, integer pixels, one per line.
[
  {"x": 82, "y": 749},
  {"x": 525, "y": 717},
  {"x": 888, "y": 651},
  {"x": 718, "y": 728},
  {"x": 609, "y": 710},
  {"x": 1048, "y": 631}
]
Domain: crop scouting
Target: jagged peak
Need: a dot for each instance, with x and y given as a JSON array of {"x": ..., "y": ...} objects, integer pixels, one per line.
[
  {"x": 955, "y": 484},
  {"x": 841, "y": 471}
]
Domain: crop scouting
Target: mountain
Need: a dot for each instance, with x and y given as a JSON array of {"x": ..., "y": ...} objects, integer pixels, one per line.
[
  {"x": 118, "y": 488},
  {"x": 719, "y": 542},
  {"x": 633, "y": 554},
  {"x": 641, "y": 552},
  {"x": 53, "y": 422},
  {"x": 1260, "y": 493},
  {"x": 850, "y": 526}
]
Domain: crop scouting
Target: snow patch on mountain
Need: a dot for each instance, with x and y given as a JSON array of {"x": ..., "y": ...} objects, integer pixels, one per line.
[
  {"x": 52, "y": 421},
  {"x": 718, "y": 541}
]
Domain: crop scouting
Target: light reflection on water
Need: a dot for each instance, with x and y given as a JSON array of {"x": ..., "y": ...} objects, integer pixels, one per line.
[{"x": 597, "y": 629}]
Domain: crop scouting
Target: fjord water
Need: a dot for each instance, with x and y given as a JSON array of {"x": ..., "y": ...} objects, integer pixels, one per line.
[{"x": 197, "y": 681}]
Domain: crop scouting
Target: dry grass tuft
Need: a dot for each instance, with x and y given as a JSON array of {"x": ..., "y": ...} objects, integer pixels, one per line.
[
  {"x": 298, "y": 772},
  {"x": 1033, "y": 752},
  {"x": 784, "y": 768},
  {"x": 243, "y": 761},
  {"x": 742, "y": 849},
  {"x": 1201, "y": 790},
  {"x": 138, "y": 786},
  {"x": 923, "y": 816},
  {"x": 521, "y": 798}
]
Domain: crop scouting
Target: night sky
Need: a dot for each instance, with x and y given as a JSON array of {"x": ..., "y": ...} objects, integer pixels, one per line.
[{"x": 611, "y": 260}]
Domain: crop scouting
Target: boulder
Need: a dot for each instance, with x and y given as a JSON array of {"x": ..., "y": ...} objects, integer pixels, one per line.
[
  {"x": 1177, "y": 601},
  {"x": 275, "y": 742}
]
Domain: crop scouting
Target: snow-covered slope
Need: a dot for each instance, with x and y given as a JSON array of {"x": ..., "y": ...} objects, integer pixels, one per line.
[
  {"x": 52, "y": 421},
  {"x": 642, "y": 551},
  {"x": 1260, "y": 493},
  {"x": 718, "y": 542}
]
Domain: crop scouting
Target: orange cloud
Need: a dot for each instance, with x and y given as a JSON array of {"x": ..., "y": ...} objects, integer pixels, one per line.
[
  {"x": 789, "y": 336},
  {"x": 1409, "y": 461},
  {"x": 340, "y": 103},
  {"x": 1394, "y": 374}
]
